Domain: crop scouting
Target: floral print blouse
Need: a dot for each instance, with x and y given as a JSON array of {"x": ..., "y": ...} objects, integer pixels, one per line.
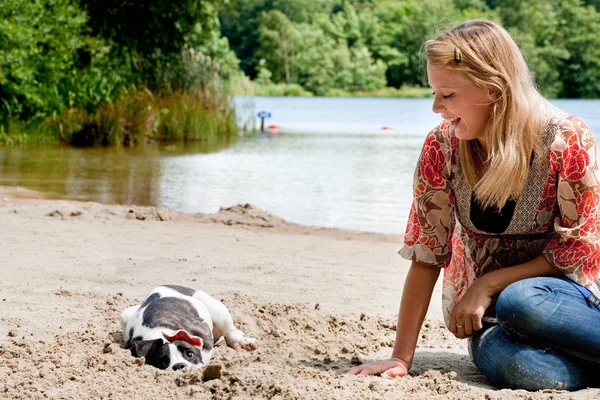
[{"x": 556, "y": 216}]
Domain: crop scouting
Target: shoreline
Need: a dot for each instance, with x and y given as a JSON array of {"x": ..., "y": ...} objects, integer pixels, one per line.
[
  {"x": 318, "y": 300},
  {"x": 241, "y": 214}
]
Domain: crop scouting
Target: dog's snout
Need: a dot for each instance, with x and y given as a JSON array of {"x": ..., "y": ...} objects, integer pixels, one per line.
[{"x": 178, "y": 366}]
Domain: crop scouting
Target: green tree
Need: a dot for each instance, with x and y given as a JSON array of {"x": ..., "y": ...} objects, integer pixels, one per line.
[
  {"x": 301, "y": 11},
  {"x": 378, "y": 40},
  {"x": 534, "y": 27},
  {"x": 561, "y": 41},
  {"x": 355, "y": 68},
  {"x": 279, "y": 40},
  {"x": 581, "y": 29},
  {"x": 478, "y": 5},
  {"x": 343, "y": 24},
  {"x": 39, "y": 47},
  {"x": 150, "y": 35},
  {"x": 366, "y": 73},
  {"x": 325, "y": 63},
  {"x": 240, "y": 21},
  {"x": 595, "y": 3},
  {"x": 407, "y": 25},
  {"x": 317, "y": 59},
  {"x": 216, "y": 47}
]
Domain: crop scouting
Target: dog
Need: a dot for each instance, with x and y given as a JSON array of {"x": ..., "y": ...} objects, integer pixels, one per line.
[{"x": 176, "y": 327}]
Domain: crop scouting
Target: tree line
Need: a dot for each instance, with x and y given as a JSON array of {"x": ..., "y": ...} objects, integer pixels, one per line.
[
  {"x": 364, "y": 45},
  {"x": 103, "y": 72}
]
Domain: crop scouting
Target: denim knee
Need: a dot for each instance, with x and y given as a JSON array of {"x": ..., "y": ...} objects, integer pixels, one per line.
[
  {"x": 510, "y": 363},
  {"x": 520, "y": 305}
]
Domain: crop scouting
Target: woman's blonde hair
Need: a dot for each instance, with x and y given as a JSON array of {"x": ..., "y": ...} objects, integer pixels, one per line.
[{"x": 487, "y": 55}]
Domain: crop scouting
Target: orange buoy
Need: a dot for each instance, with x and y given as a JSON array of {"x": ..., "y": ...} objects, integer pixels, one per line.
[{"x": 386, "y": 128}]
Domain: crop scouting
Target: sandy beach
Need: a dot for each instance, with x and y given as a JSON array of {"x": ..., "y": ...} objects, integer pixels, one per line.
[{"x": 318, "y": 300}]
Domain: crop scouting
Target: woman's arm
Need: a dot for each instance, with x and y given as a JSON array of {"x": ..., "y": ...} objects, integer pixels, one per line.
[
  {"x": 497, "y": 281},
  {"x": 468, "y": 312},
  {"x": 575, "y": 247},
  {"x": 416, "y": 295},
  {"x": 428, "y": 243}
]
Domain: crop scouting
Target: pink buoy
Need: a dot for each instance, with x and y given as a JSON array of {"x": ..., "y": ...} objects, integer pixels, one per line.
[
  {"x": 273, "y": 126},
  {"x": 386, "y": 128}
]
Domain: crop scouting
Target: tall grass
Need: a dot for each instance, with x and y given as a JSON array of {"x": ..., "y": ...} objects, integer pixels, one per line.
[
  {"x": 142, "y": 117},
  {"x": 191, "y": 104}
]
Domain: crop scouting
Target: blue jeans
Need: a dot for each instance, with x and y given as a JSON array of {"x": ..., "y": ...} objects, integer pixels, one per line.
[{"x": 547, "y": 337}]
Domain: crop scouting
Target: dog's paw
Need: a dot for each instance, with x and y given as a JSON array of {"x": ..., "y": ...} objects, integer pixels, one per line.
[
  {"x": 248, "y": 343},
  {"x": 239, "y": 340}
]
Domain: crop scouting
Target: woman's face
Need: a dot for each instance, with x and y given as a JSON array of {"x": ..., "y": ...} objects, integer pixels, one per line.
[{"x": 458, "y": 99}]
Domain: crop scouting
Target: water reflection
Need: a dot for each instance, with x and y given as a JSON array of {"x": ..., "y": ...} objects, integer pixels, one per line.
[{"x": 111, "y": 175}]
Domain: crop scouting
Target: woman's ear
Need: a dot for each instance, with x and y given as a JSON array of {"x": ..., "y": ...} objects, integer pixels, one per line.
[{"x": 493, "y": 95}]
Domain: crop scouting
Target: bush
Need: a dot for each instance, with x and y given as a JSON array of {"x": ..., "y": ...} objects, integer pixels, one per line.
[
  {"x": 282, "y": 89},
  {"x": 338, "y": 93},
  {"x": 141, "y": 117}
]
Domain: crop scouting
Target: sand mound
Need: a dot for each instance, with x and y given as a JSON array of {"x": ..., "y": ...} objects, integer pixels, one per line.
[{"x": 245, "y": 214}]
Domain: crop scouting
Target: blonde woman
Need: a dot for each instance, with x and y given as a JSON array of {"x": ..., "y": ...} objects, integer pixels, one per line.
[{"x": 506, "y": 201}]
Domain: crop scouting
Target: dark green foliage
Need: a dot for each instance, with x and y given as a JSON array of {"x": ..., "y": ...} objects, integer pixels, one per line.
[
  {"x": 595, "y": 3},
  {"x": 581, "y": 69},
  {"x": 561, "y": 39},
  {"x": 407, "y": 25},
  {"x": 149, "y": 35},
  {"x": 39, "y": 44},
  {"x": 239, "y": 23},
  {"x": 67, "y": 70},
  {"x": 241, "y": 19}
]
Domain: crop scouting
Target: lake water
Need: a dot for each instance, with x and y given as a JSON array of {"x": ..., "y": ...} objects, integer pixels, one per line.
[{"x": 330, "y": 164}]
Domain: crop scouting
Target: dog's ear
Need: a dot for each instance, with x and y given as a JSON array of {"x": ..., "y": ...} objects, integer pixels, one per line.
[
  {"x": 141, "y": 348},
  {"x": 186, "y": 337}
]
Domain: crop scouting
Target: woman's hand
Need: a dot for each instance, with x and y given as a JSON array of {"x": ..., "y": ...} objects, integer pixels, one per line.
[
  {"x": 388, "y": 368},
  {"x": 418, "y": 287},
  {"x": 468, "y": 312}
]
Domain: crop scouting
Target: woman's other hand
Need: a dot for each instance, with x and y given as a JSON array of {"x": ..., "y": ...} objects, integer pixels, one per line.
[
  {"x": 467, "y": 314},
  {"x": 388, "y": 368}
]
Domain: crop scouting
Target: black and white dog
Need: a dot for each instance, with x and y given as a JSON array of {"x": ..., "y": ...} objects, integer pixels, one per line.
[{"x": 177, "y": 327}]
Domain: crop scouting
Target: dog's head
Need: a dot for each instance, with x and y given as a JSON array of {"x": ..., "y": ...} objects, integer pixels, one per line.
[{"x": 178, "y": 351}]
